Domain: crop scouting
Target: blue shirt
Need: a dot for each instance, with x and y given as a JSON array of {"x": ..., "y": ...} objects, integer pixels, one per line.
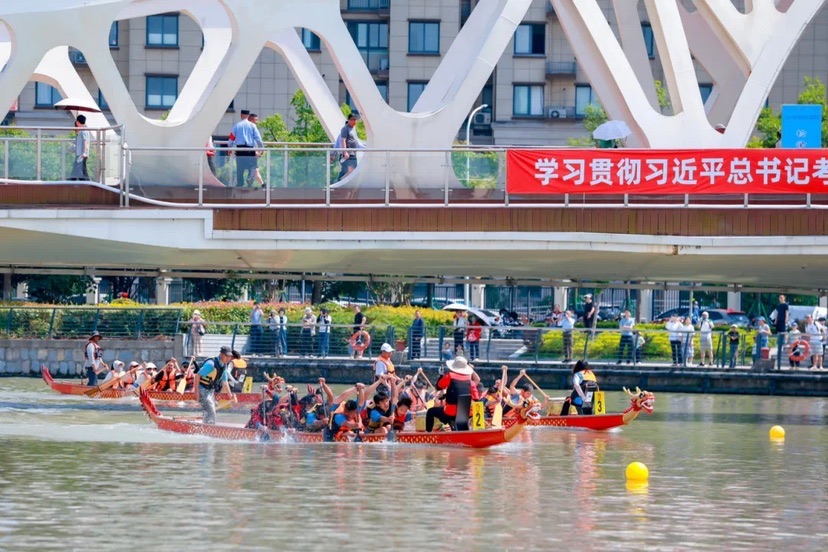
[
  {"x": 247, "y": 134},
  {"x": 375, "y": 416},
  {"x": 626, "y": 326},
  {"x": 310, "y": 418},
  {"x": 256, "y": 316},
  {"x": 340, "y": 419},
  {"x": 209, "y": 367}
]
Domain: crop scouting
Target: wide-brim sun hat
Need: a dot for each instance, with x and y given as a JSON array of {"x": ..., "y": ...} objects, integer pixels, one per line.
[{"x": 460, "y": 366}]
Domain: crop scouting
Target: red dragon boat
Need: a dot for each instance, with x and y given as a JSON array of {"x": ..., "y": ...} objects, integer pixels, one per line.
[
  {"x": 471, "y": 439},
  {"x": 639, "y": 401},
  {"x": 245, "y": 401}
]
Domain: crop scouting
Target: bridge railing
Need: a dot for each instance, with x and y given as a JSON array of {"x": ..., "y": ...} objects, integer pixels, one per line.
[
  {"x": 47, "y": 154},
  {"x": 81, "y": 322}
]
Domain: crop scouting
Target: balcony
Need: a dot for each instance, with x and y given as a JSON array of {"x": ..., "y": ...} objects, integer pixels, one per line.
[
  {"x": 369, "y": 5},
  {"x": 561, "y": 68}
]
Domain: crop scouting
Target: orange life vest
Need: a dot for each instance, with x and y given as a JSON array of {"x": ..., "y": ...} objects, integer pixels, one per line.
[{"x": 389, "y": 366}]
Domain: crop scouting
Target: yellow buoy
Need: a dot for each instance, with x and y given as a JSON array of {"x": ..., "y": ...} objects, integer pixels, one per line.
[
  {"x": 777, "y": 432},
  {"x": 637, "y": 472}
]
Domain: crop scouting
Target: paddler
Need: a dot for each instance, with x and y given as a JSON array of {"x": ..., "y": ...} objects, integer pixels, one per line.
[
  {"x": 93, "y": 359},
  {"x": 212, "y": 378},
  {"x": 345, "y": 421},
  {"x": 116, "y": 372},
  {"x": 584, "y": 384},
  {"x": 166, "y": 379},
  {"x": 456, "y": 383}
]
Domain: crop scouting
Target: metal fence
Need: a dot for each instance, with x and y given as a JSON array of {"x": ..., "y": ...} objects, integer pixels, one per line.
[
  {"x": 526, "y": 344},
  {"x": 80, "y": 323}
]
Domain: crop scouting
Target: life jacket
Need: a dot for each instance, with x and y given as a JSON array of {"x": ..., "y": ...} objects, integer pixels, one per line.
[
  {"x": 96, "y": 354},
  {"x": 455, "y": 385},
  {"x": 167, "y": 381},
  {"x": 214, "y": 379},
  {"x": 493, "y": 398},
  {"x": 336, "y": 432},
  {"x": 376, "y": 425},
  {"x": 588, "y": 375},
  {"x": 389, "y": 366},
  {"x": 399, "y": 420},
  {"x": 590, "y": 383},
  {"x": 257, "y": 417}
]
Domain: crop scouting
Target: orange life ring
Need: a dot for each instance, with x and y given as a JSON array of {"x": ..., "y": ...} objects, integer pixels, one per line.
[
  {"x": 360, "y": 341},
  {"x": 803, "y": 348}
]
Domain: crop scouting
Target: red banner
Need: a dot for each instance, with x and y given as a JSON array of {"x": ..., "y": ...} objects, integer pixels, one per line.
[{"x": 660, "y": 172}]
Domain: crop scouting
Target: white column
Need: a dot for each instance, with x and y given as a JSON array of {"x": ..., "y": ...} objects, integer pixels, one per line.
[
  {"x": 478, "y": 296},
  {"x": 645, "y": 314},
  {"x": 734, "y": 300},
  {"x": 560, "y": 296},
  {"x": 823, "y": 301},
  {"x": 7, "y": 286},
  {"x": 93, "y": 294},
  {"x": 162, "y": 291}
]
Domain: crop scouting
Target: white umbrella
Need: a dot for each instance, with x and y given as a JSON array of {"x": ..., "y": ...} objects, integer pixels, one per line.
[
  {"x": 612, "y": 130},
  {"x": 455, "y": 307},
  {"x": 78, "y": 104}
]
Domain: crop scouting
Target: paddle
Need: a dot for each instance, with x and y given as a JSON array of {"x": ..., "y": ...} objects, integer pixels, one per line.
[
  {"x": 547, "y": 397},
  {"x": 182, "y": 385},
  {"x": 104, "y": 386},
  {"x": 497, "y": 417}
]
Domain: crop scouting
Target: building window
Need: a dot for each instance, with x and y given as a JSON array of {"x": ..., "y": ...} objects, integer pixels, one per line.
[
  {"x": 161, "y": 92},
  {"x": 311, "y": 41},
  {"x": 528, "y": 100},
  {"x": 415, "y": 90},
  {"x": 162, "y": 30},
  {"x": 102, "y": 101},
  {"x": 382, "y": 88},
  {"x": 46, "y": 95},
  {"x": 583, "y": 97},
  {"x": 369, "y": 4},
  {"x": 372, "y": 42},
  {"x": 649, "y": 39},
  {"x": 705, "y": 90},
  {"x": 113, "y": 35},
  {"x": 423, "y": 37},
  {"x": 530, "y": 39}
]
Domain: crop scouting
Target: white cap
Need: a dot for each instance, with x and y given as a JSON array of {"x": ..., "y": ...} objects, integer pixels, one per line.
[
  {"x": 117, "y": 364},
  {"x": 151, "y": 365},
  {"x": 386, "y": 348}
]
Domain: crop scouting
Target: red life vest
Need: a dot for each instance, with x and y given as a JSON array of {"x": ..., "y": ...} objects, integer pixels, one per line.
[
  {"x": 167, "y": 381},
  {"x": 455, "y": 385}
]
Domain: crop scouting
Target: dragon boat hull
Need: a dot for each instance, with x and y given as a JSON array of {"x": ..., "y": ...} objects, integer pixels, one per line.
[
  {"x": 190, "y": 426},
  {"x": 602, "y": 422},
  {"x": 170, "y": 398}
]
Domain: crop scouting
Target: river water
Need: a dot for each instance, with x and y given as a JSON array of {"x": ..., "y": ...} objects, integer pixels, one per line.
[{"x": 81, "y": 474}]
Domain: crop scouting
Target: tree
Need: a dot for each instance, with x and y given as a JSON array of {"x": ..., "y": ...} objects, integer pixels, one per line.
[
  {"x": 594, "y": 116},
  {"x": 55, "y": 290},
  {"x": 769, "y": 125}
]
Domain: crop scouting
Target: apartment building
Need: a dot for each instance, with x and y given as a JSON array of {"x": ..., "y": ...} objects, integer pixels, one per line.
[{"x": 536, "y": 94}]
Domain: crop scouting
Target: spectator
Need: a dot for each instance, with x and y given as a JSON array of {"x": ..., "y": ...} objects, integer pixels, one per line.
[
  {"x": 417, "y": 334},
  {"x": 567, "y": 323},
  {"x": 308, "y": 329},
  {"x": 625, "y": 347},
  {"x": 282, "y": 326},
  {"x": 639, "y": 347},
  {"x": 733, "y": 344},
  {"x": 350, "y": 142},
  {"x": 676, "y": 330},
  {"x": 323, "y": 324},
  {"x": 814, "y": 330},
  {"x": 359, "y": 324},
  {"x": 256, "y": 332},
  {"x": 446, "y": 354},
  {"x": 781, "y": 320},
  {"x": 459, "y": 323},
  {"x": 763, "y": 332},
  {"x": 557, "y": 316},
  {"x": 197, "y": 331},
  {"x": 81, "y": 147},
  {"x": 475, "y": 329},
  {"x": 590, "y": 311},
  {"x": 688, "y": 350},
  {"x": 706, "y": 338},
  {"x": 794, "y": 335}
]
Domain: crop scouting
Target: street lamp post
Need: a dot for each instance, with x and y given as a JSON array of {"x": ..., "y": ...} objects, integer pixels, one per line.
[{"x": 468, "y": 138}]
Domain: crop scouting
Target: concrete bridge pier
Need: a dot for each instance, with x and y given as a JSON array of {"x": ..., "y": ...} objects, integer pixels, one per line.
[
  {"x": 734, "y": 300},
  {"x": 7, "y": 287}
]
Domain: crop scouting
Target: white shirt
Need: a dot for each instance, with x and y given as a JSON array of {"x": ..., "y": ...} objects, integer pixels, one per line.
[
  {"x": 675, "y": 329},
  {"x": 380, "y": 368},
  {"x": 324, "y": 322},
  {"x": 567, "y": 322},
  {"x": 90, "y": 360}
]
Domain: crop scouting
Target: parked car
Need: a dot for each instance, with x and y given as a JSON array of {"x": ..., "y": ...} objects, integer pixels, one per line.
[
  {"x": 738, "y": 317},
  {"x": 609, "y": 312},
  {"x": 681, "y": 311}
]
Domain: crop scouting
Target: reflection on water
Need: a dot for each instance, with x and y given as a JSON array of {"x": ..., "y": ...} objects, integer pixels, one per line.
[{"x": 80, "y": 474}]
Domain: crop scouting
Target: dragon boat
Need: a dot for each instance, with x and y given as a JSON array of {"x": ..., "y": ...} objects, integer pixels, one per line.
[
  {"x": 470, "y": 439},
  {"x": 640, "y": 401},
  {"x": 245, "y": 401}
]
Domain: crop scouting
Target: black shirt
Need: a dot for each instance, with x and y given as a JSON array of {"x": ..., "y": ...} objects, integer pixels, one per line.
[
  {"x": 588, "y": 306},
  {"x": 779, "y": 323},
  {"x": 358, "y": 318}
]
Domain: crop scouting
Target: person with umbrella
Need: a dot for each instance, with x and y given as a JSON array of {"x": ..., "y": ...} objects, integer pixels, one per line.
[
  {"x": 610, "y": 132},
  {"x": 81, "y": 146}
]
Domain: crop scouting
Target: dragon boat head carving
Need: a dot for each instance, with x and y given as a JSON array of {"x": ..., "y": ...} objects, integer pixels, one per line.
[{"x": 641, "y": 400}]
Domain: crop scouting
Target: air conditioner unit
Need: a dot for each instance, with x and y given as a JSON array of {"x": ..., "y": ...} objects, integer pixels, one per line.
[
  {"x": 557, "y": 113},
  {"x": 76, "y": 56},
  {"x": 482, "y": 119}
]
